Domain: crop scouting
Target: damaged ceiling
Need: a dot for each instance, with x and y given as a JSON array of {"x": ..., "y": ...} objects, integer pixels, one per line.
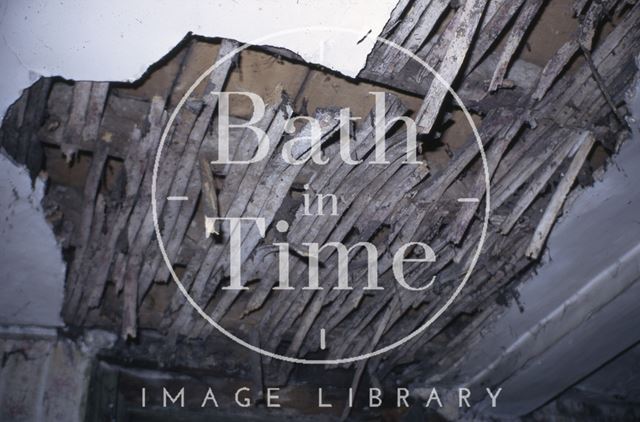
[{"x": 550, "y": 126}]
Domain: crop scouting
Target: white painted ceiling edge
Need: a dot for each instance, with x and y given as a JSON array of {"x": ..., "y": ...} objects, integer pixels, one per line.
[{"x": 118, "y": 40}]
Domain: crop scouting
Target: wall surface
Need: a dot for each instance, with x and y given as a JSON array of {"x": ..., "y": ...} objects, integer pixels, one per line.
[
  {"x": 31, "y": 268},
  {"x": 44, "y": 377}
]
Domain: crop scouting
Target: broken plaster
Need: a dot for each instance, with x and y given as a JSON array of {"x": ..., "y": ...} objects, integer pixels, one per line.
[{"x": 118, "y": 41}]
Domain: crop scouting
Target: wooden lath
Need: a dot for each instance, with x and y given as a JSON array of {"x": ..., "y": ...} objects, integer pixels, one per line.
[{"x": 536, "y": 143}]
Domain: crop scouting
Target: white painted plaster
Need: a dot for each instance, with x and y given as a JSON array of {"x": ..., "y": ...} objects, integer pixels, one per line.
[
  {"x": 31, "y": 268},
  {"x": 117, "y": 40}
]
